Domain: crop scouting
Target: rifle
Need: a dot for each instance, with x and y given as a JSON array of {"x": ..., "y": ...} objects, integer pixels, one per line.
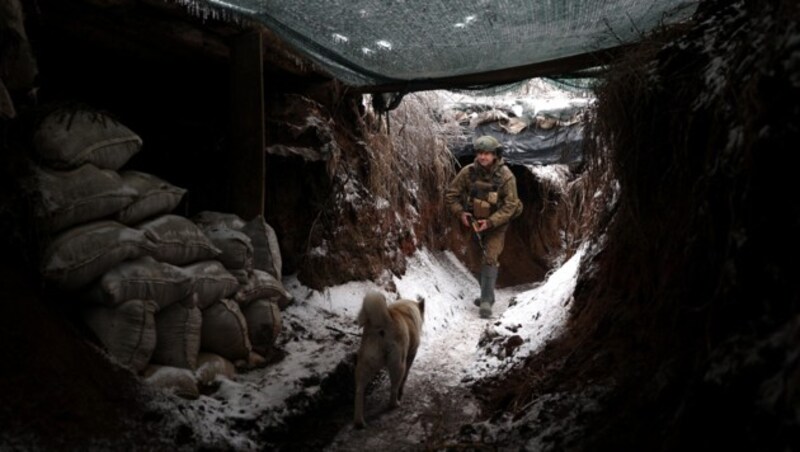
[{"x": 474, "y": 225}]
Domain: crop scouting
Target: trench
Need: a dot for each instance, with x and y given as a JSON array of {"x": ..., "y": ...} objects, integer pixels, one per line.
[
  {"x": 625, "y": 318},
  {"x": 190, "y": 130},
  {"x": 438, "y": 397}
]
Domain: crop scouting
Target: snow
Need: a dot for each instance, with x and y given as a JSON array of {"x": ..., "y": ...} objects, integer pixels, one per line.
[
  {"x": 535, "y": 316},
  {"x": 320, "y": 332},
  {"x": 458, "y": 349},
  {"x": 556, "y": 174}
]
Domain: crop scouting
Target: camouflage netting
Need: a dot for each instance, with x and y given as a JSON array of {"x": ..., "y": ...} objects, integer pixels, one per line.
[{"x": 370, "y": 42}]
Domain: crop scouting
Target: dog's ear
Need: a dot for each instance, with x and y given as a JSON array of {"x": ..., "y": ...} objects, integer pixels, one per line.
[{"x": 421, "y": 306}]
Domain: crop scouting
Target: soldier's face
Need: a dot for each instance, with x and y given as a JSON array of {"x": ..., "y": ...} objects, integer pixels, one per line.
[{"x": 485, "y": 158}]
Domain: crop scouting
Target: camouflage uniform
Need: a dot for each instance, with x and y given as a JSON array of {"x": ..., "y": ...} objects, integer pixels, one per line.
[{"x": 486, "y": 193}]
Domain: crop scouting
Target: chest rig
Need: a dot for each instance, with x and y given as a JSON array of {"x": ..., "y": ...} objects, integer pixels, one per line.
[{"x": 484, "y": 194}]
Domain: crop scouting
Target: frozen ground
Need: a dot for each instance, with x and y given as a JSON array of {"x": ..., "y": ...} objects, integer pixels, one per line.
[{"x": 320, "y": 333}]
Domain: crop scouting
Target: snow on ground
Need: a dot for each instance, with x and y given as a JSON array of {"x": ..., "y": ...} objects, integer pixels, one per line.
[
  {"x": 450, "y": 358},
  {"x": 320, "y": 332},
  {"x": 534, "y": 316},
  {"x": 458, "y": 348}
]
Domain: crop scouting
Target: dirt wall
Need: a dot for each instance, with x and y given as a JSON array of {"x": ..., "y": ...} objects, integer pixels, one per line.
[{"x": 686, "y": 314}]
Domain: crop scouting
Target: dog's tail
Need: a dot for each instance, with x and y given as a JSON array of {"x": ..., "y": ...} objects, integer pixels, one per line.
[{"x": 374, "y": 311}]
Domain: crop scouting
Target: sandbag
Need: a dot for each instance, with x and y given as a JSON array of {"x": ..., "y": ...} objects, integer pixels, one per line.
[
  {"x": 266, "y": 251},
  {"x": 178, "y": 334},
  {"x": 210, "y": 281},
  {"x": 68, "y": 139},
  {"x": 242, "y": 276},
  {"x": 178, "y": 241},
  {"x": 487, "y": 116},
  {"x": 79, "y": 255},
  {"x": 154, "y": 197},
  {"x": 262, "y": 285},
  {"x": 237, "y": 251},
  {"x": 178, "y": 381},
  {"x": 208, "y": 218},
  {"x": 211, "y": 367},
  {"x": 82, "y": 195},
  {"x": 127, "y": 331},
  {"x": 514, "y": 125},
  {"x": 263, "y": 324},
  {"x": 254, "y": 361},
  {"x": 224, "y": 331},
  {"x": 144, "y": 278}
]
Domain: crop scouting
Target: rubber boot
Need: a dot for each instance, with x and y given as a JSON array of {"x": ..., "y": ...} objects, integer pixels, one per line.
[
  {"x": 487, "y": 290},
  {"x": 482, "y": 282}
]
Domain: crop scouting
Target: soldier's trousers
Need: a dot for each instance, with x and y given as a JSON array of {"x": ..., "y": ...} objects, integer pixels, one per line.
[{"x": 494, "y": 240}]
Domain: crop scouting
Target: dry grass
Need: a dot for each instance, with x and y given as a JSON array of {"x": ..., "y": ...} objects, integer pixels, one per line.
[
  {"x": 386, "y": 198},
  {"x": 414, "y": 150}
]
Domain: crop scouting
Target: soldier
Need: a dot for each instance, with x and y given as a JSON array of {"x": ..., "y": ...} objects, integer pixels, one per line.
[{"x": 484, "y": 197}]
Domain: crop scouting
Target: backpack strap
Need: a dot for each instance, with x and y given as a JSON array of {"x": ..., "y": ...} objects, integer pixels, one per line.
[
  {"x": 473, "y": 177},
  {"x": 497, "y": 178}
]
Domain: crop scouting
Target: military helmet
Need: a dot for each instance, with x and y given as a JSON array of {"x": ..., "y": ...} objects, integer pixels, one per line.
[{"x": 487, "y": 143}]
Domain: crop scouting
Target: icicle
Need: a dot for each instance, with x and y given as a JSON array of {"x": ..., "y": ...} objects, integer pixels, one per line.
[{"x": 218, "y": 10}]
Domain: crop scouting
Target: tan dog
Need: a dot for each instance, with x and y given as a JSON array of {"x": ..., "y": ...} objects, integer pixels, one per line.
[{"x": 390, "y": 339}]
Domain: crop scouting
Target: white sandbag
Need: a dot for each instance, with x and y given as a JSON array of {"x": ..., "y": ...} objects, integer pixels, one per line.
[
  {"x": 144, "y": 278},
  {"x": 262, "y": 285},
  {"x": 208, "y": 218},
  {"x": 263, "y": 324},
  {"x": 79, "y": 255},
  {"x": 266, "y": 251},
  {"x": 127, "y": 331},
  {"x": 178, "y": 241},
  {"x": 211, "y": 367},
  {"x": 178, "y": 381},
  {"x": 210, "y": 281},
  {"x": 224, "y": 331},
  {"x": 154, "y": 197},
  {"x": 178, "y": 334},
  {"x": 515, "y": 125},
  {"x": 237, "y": 251},
  {"x": 69, "y": 139},
  {"x": 487, "y": 116},
  {"x": 85, "y": 194}
]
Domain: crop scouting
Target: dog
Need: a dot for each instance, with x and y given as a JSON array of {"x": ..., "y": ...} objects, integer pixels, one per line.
[{"x": 390, "y": 338}]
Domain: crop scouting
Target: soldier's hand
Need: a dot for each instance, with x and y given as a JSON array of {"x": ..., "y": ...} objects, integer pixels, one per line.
[
  {"x": 465, "y": 216},
  {"x": 483, "y": 225}
]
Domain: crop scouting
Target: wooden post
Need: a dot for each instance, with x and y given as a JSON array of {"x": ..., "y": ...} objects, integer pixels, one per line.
[{"x": 247, "y": 160}]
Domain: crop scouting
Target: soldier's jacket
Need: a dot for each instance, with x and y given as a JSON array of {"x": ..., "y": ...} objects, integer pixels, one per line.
[{"x": 485, "y": 193}]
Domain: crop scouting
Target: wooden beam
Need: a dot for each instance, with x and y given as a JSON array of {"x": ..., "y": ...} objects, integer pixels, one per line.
[{"x": 247, "y": 159}]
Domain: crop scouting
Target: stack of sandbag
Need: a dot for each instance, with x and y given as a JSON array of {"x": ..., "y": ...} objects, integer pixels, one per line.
[
  {"x": 80, "y": 193},
  {"x": 148, "y": 278},
  {"x": 249, "y": 251}
]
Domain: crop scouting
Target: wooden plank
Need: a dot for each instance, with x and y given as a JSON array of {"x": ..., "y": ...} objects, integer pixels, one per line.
[{"x": 247, "y": 159}]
